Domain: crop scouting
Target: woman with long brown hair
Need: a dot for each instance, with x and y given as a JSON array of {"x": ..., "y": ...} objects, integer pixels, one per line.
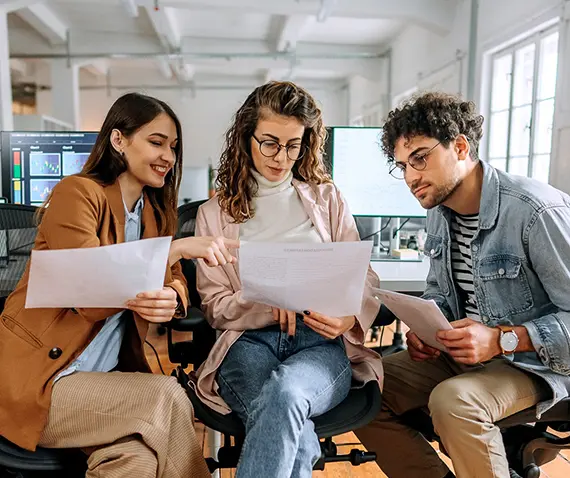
[
  {"x": 276, "y": 368},
  {"x": 69, "y": 375}
]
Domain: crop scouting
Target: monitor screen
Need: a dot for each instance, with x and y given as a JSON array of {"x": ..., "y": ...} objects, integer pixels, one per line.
[
  {"x": 360, "y": 171},
  {"x": 34, "y": 162}
]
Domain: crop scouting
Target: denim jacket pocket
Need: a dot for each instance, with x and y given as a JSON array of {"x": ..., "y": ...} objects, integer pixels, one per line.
[
  {"x": 434, "y": 248},
  {"x": 505, "y": 287}
]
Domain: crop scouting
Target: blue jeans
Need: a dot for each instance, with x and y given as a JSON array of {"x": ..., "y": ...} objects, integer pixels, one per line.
[{"x": 275, "y": 384}]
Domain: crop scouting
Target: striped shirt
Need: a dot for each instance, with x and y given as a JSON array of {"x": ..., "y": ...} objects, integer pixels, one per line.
[{"x": 463, "y": 229}]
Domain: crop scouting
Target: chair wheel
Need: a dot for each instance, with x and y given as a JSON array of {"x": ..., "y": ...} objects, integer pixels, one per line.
[{"x": 531, "y": 471}]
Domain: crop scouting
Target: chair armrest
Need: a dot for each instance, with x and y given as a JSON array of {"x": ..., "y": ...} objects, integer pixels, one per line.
[
  {"x": 193, "y": 320},
  {"x": 385, "y": 317}
]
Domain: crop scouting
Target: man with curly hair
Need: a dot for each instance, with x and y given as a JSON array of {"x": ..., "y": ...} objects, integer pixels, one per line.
[{"x": 498, "y": 247}]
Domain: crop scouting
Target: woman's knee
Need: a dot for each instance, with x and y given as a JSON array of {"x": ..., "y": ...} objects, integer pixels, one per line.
[{"x": 129, "y": 456}]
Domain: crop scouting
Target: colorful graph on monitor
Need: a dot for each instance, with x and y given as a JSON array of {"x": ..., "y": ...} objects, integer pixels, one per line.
[
  {"x": 73, "y": 162},
  {"x": 40, "y": 189},
  {"x": 45, "y": 164}
]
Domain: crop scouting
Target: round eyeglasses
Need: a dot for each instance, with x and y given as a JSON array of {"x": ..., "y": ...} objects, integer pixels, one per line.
[
  {"x": 271, "y": 148},
  {"x": 417, "y": 161}
]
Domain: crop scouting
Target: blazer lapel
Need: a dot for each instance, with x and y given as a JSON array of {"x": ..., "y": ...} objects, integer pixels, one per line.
[
  {"x": 317, "y": 212},
  {"x": 115, "y": 199}
]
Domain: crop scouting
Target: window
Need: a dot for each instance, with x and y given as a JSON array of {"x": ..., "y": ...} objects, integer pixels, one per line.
[{"x": 521, "y": 109}]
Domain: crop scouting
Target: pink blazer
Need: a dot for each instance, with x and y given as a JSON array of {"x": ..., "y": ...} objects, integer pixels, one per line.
[{"x": 225, "y": 310}]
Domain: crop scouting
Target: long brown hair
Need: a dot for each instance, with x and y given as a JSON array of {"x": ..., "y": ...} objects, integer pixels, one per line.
[
  {"x": 233, "y": 183},
  {"x": 128, "y": 114}
]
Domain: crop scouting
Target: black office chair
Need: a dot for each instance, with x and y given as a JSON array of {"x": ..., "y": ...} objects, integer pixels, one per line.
[
  {"x": 358, "y": 409},
  {"x": 17, "y": 235},
  {"x": 528, "y": 442}
]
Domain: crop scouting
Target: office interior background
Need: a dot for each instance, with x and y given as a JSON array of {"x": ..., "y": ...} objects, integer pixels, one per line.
[{"x": 64, "y": 62}]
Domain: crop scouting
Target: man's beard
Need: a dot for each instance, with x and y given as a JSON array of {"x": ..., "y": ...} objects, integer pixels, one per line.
[{"x": 441, "y": 194}]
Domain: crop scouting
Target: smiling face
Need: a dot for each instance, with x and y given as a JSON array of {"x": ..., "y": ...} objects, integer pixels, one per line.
[
  {"x": 150, "y": 151},
  {"x": 273, "y": 130},
  {"x": 444, "y": 167}
]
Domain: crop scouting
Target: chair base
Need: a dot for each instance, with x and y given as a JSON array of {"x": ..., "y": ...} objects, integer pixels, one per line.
[{"x": 228, "y": 456}]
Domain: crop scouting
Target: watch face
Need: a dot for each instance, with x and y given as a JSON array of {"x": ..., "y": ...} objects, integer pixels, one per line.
[{"x": 509, "y": 341}]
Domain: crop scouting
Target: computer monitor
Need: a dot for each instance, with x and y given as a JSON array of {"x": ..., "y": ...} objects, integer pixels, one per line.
[
  {"x": 34, "y": 162},
  {"x": 360, "y": 170}
]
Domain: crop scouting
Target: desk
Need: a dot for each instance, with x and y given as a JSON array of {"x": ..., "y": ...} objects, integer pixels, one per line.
[{"x": 402, "y": 276}]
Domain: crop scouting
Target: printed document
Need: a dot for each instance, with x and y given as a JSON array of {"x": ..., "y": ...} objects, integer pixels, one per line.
[
  {"x": 326, "y": 278},
  {"x": 422, "y": 316},
  {"x": 105, "y": 276}
]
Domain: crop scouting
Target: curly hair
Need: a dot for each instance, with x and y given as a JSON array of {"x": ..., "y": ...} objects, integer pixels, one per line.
[
  {"x": 234, "y": 187},
  {"x": 436, "y": 115}
]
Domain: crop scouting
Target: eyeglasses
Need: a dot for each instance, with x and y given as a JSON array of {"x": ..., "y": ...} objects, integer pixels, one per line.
[
  {"x": 416, "y": 161},
  {"x": 271, "y": 148}
]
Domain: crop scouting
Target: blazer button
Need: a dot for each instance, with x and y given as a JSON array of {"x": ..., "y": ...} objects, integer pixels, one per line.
[{"x": 55, "y": 353}]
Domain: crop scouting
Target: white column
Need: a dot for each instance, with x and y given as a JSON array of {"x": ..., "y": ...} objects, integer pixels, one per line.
[
  {"x": 559, "y": 163},
  {"x": 6, "y": 117},
  {"x": 65, "y": 92}
]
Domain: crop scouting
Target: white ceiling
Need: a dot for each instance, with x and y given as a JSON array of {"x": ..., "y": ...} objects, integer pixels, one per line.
[{"x": 191, "y": 41}]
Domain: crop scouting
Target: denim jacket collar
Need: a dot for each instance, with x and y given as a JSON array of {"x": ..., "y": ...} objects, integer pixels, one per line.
[{"x": 489, "y": 207}]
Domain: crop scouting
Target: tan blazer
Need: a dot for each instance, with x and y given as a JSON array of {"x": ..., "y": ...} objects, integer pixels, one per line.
[
  {"x": 36, "y": 344},
  {"x": 220, "y": 289}
]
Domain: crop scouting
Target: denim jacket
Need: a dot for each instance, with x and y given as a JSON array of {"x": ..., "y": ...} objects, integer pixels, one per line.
[{"x": 521, "y": 270}]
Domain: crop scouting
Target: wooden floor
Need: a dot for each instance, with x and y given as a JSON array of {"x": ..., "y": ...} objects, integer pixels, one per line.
[{"x": 559, "y": 468}]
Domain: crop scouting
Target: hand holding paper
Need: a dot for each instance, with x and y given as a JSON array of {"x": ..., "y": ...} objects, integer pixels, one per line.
[
  {"x": 423, "y": 317},
  {"x": 106, "y": 276}
]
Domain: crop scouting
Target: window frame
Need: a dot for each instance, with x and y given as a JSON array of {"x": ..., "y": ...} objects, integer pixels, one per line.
[{"x": 536, "y": 39}]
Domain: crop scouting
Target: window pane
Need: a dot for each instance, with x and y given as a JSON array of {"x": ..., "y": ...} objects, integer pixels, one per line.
[
  {"x": 541, "y": 167},
  {"x": 543, "y": 126},
  {"x": 498, "y": 134},
  {"x": 499, "y": 163},
  {"x": 548, "y": 66},
  {"x": 520, "y": 131},
  {"x": 501, "y": 89},
  {"x": 518, "y": 165},
  {"x": 524, "y": 75}
]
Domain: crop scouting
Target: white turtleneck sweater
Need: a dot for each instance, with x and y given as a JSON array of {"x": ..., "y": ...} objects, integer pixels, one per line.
[{"x": 279, "y": 214}]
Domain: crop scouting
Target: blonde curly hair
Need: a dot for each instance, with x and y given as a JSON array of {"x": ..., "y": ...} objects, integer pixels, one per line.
[{"x": 234, "y": 186}]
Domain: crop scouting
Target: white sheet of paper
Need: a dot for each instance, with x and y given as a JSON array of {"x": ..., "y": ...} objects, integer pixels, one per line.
[
  {"x": 422, "y": 316},
  {"x": 105, "y": 276},
  {"x": 326, "y": 278}
]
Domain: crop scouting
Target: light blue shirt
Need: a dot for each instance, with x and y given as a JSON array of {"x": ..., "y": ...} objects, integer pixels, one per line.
[{"x": 102, "y": 354}]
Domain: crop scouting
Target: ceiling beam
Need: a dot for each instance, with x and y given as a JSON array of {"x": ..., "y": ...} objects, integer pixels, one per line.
[
  {"x": 43, "y": 19},
  {"x": 164, "y": 67},
  {"x": 290, "y": 31},
  {"x": 96, "y": 67},
  {"x": 131, "y": 7},
  {"x": 326, "y": 10},
  {"x": 166, "y": 27},
  {"x": 436, "y": 15}
]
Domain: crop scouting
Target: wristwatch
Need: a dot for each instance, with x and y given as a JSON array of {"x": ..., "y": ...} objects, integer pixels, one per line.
[{"x": 509, "y": 340}]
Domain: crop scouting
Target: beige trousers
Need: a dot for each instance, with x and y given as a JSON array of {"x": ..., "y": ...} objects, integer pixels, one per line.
[
  {"x": 130, "y": 424},
  {"x": 464, "y": 403}
]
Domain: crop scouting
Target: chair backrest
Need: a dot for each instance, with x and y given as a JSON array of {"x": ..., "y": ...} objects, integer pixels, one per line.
[
  {"x": 18, "y": 231},
  {"x": 186, "y": 227}
]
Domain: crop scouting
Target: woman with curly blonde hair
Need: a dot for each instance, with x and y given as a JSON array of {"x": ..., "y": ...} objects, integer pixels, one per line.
[{"x": 277, "y": 368}]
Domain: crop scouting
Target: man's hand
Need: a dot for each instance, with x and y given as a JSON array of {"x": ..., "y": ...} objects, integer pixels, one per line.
[
  {"x": 470, "y": 342},
  {"x": 155, "y": 306},
  {"x": 287, "y": 320},
  {"x": 328, "y": 327},
  {"x": 418, "y": 350}
]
